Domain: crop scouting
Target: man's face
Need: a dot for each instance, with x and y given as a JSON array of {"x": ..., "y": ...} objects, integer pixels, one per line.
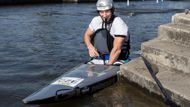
[{"x": 105, "y": 14}]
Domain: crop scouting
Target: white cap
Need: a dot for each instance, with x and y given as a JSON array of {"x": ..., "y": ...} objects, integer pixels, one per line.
[{"x": 104, "y": 4}]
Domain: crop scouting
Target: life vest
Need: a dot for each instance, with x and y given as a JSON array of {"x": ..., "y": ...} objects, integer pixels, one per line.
[{"x": 102, "y": 40}]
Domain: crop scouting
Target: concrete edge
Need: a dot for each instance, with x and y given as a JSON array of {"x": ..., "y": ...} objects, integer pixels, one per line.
[{"x": 135, "y": 71}]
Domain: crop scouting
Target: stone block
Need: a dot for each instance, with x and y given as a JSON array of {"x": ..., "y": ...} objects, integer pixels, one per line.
[
  {"x": 181, "y": 18},
  {"x": 167, "y": 54},
  {"x": 179, "y": 34}
]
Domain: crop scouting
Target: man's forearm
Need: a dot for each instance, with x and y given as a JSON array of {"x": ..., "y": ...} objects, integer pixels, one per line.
[
  {"x": 114, "y": 55},
  {"x": 116, "y": 50},
  {"x": 87, "y": 38},
  {"x": 87, "y": 41}
]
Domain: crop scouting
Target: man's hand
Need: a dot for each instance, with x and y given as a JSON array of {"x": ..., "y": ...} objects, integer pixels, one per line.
[{"x": 93, "y": 52}]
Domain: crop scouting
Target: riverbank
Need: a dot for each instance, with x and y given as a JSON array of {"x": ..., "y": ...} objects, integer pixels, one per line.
[
  {"x": 168, "y": 68},
  {"x": 14, "y": 2},
  {"x": 19, "y": 2}
]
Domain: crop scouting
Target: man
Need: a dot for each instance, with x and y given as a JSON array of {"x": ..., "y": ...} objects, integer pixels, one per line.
[{"x": 107, "y": 35}]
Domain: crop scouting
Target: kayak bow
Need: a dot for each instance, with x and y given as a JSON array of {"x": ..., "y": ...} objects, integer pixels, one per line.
[{"x": 85, "y": 79}]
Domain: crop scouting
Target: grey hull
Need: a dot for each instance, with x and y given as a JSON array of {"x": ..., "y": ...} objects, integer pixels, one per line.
[{"x": 84, "y": 79}]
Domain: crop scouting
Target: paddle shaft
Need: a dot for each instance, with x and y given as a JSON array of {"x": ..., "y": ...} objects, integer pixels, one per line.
[{"x": 167, "y": 97}]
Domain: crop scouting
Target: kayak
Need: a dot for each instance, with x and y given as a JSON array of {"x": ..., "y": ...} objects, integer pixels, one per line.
[{"x": 81, "y": 80}]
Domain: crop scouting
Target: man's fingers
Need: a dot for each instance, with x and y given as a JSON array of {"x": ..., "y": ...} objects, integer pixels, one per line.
[
  {"x": 96, "y": 53},
  {"x": 93, "y": 53}
]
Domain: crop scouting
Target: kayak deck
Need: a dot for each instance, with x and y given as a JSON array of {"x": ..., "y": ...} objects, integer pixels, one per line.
[{"x": 84, "y": 79}]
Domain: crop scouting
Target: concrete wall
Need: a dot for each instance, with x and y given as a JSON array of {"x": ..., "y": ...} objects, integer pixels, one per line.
[
  {"x": 4, "y": 2},
  {"x": 12, "y": 2},
  {"x": 169, "y": 56}
]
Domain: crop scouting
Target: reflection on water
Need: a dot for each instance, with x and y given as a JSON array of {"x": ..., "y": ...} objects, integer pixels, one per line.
[
  {"x": 41, "y": 42},
  {"x": 117, "y": 95}
]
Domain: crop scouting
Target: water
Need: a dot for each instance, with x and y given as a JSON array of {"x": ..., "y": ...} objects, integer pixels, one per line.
[{"x": 41, "y": 42}]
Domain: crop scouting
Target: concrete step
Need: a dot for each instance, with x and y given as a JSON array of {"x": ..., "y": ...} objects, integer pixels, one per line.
[
  {"x": 179, "y": 34},
  {"x": 167, "y": 54},
  {"x": 181, "y": 18},
  {"x": 176, "y": 84}
]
